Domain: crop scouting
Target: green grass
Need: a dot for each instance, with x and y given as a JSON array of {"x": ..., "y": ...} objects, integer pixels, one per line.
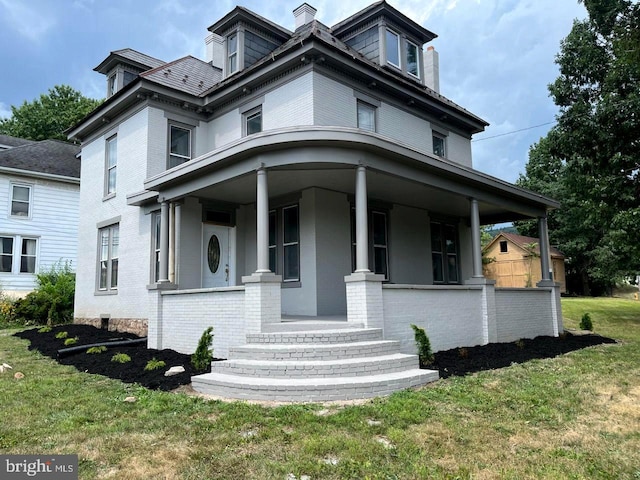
[{"x": 571, "y": 417}]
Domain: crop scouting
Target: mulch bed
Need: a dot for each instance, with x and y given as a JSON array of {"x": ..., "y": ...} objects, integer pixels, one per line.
[{"x": 456, "y": 362}]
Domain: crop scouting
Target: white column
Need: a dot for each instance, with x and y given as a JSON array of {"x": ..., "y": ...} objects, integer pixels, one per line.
[
  {"x": 172, "y": 243},
  {"x": 262, "y": 224},
  {"x": 362, "y": 232},
  {"x": 543, "y": 233},
  {"x": 164, "y": 242},
  {"x": 177, "y": 221},
  {"x": 475, "y": 239}
]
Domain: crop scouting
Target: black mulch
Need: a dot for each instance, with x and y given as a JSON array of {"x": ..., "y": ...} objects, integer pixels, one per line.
[{"x": 456, "y": 362}]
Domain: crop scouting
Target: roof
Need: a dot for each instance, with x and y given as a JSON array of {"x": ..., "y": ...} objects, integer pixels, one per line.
[
  {"x": 7, "y": 141},
  {"x": 52, "y": 157},
  {"x": 523, "y": 242},
  {"x": 188, "y": 74},
  {"x": 244, "y": 14},
  {"x": 129, "y": 56}
]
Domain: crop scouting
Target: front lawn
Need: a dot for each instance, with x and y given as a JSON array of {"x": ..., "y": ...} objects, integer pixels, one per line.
[{"x": 572, "y": 416}]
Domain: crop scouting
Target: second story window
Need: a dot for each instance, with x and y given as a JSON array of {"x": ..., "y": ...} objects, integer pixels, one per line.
[
  {"x": 366, "y": 116},
  {"x": 111, "y": 163},
  {"x": 20, "y": 200},
  {"x": 412, "y": 59},
  {"x": 439, "y": 145},
  {"x": 179, "y": 145},
  {"x": 253, "y": 121},
  {"x": 232, "y": 53},
  {"x": 393, "y": 48}
]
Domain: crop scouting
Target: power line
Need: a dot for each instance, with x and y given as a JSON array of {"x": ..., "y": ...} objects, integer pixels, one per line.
[{"x": 512, "y": 132}]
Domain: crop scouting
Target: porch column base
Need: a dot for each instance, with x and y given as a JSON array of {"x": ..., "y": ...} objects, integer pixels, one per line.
[
  {"x": 488, "y": 308},
  {"x": 262, "y": 300},
  {"x": 154, "y": 320},
  {"x": 556, "y": 308},
  {"x": 364, "y": 299}
]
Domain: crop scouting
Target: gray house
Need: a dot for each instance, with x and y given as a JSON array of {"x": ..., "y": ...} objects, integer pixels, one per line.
[
  {"x": 39, "y": 193},
  {"x": 309, "y": 194}
]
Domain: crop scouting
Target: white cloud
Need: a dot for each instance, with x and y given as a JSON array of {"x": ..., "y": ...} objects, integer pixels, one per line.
[
  {"x": 5, "y": 110},
  {"x": 30, "y": 21}
]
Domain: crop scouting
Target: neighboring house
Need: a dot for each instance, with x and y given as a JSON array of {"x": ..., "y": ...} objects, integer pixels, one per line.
[
  {"x": 39, "y": 194},
  {"x": 296, "y": 181},
  {"x": 515, "y": 261}
]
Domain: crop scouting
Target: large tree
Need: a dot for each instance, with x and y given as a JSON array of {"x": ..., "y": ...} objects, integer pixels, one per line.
[
  {"x": 590, "y": 160},
  {"x": 49, "y": 116}
]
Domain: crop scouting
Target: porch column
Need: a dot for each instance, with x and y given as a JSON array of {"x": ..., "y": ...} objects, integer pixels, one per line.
[
  {"x": 262, "y": 211},
  {"x": 362, "y": 233},
  {"x": 176, "y": 243},
  {"x": 475, "y": 239},
  {"x": 543, "y": 233},
  {"x": 172, "y": 242},
  {"x": 164, "y": 242}
]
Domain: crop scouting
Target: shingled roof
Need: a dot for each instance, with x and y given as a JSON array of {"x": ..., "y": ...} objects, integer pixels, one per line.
[
  {"x": 47, "y": 156},
  {"x": 522, "y": 241},
  {"x": 188, "y": 74},
  {"x": 7, "y": 141}
]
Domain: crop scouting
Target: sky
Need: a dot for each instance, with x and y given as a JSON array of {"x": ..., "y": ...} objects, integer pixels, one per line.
[{"x": 496, "y": 56}]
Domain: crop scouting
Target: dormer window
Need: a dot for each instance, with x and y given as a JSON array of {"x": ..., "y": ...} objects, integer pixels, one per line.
[
  {"x": 232, "y": 53},
  {"x": 112, "y": 85},
  {"x": 412, "y": 59},
  {"x": 393, "y": 48}
]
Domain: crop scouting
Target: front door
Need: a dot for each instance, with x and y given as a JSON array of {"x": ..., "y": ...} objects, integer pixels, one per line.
[{"x": 216, "y": 257}]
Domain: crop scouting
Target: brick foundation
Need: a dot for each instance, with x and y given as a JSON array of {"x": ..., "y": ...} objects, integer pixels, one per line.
[{"x": 137, "y": 326}]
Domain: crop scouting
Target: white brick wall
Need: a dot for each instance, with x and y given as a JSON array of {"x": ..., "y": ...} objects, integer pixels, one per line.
[
  {"x": 404, "y": 127},
  {"x": 290, "y": 105},
  {"x": 186, "y": 314},
  {"x": 523, "y": 313}
]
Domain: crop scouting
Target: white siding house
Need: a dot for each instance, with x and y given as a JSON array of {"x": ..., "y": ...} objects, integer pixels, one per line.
[
  {"x": 293, "y": 182},
  {"x": 39, "y": 193}
]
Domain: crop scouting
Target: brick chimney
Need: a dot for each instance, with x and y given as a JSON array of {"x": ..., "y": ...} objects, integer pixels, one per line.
[{"x": 432, "y": 69}]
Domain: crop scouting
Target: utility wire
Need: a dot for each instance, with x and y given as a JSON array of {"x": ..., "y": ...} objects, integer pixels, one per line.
[{"x": 514, "y": 131}]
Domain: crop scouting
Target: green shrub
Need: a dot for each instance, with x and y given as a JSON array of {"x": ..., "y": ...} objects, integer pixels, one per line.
[
  {"x": 7, "y": 310},
  {"x": 61, "y": 335},
  {"x": 203, "y": 355},
  {"x": 121, "y": 358},
  {"x": 51, "y": 303},
  {"x": 99, "y": 349},
  {"x": 424, "y": 346},
  {"x": 154, "y": 364},
  {"x": 520, "y": 344},
  {"x": 45, "y": 329},
  {"x": 71, "y": 341},
  {"x": 586, "y": 323}
]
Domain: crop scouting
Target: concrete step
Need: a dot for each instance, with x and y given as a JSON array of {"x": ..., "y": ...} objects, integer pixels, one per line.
[
  {"x": 306, "y": 325},
  {"x": 316, "y": 389},
  {"x": 317, "y": 336},
  {"x": 309, "y": 351},
  {"x": 352, "y": 367}
]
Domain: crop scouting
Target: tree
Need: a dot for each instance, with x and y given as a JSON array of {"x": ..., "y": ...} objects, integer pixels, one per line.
[
  {"x": 590, "y": 160},
  {"x": 49, "y": 116}
]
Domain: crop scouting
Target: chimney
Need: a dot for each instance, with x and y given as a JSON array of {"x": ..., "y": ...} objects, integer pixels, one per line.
[
  {"x": 215, "y": 50},
  {"x": 432, "y": 69},
  {"x": 304, "y": 14}
]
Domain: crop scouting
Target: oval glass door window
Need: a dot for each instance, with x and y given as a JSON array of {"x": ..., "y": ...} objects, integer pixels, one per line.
[{"x": 213, "y": 254}]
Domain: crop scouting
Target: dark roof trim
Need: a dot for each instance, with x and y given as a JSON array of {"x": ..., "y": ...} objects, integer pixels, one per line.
[
  {"x": 242, "y": 14},
  {"x": 128, "y": 56}
]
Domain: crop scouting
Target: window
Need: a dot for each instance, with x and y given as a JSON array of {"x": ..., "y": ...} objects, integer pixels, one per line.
[
  {"x": 127, "y": 78},
  {"x": 109, "y": 238},
  {"x": 444, "y": 252},
  {"x": 232, "y": 53},
  {"x": 20, "y": 200},
  {"x": 378, "y": 242},
  {"x": 393, "y": 48},
  {"x": 111, "y": 85},
  {"x": 155, "y": 223},
  {"x": 439, "y": 145},
  {"x": 366, "y": 116},
  {"x": 26, "y": 261},
  {"x": 179, "y": 145},
  {"x": 412, "y": 59},
  {"x": 6, "y": 254},
  {"x": 111, "y": 152},
  {"x": 503, "y": 246},
  {"x": 253, "y": 121},
  {"x": 284, "y": 243}
]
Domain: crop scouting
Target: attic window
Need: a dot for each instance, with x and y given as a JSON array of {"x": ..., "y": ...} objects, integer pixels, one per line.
[
  {"x": 128, "y": 77},
  {"x": 503, "y": 246},
  {"x": 232, "y": 53},
  {"x": 111, "y": 85},
  {"x": 393, "y": 48},
  {"x": 412, "y": 59}
]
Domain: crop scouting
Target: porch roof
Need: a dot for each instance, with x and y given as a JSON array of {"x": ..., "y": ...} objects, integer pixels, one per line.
[{"x": 326, "y": 157}]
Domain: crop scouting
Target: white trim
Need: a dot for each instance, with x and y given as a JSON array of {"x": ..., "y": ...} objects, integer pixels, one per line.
[{"x": 34, "y": 174}]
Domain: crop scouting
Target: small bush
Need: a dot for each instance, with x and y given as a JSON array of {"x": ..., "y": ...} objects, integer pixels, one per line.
[
  {"x": 61, "y": 335},
  {"x": 121, "y": 358},
  {"x": 424, "y": 346},
  {"x": 586, "y": 323},
  {"x": 520, "y": 344},
  {"x": 71, "y": 341},
  {"x": 99, "y": 349},
  {"x": 45, "y": 329},
  {"x": 203, "y": 355},
  {"x": 154, "y": 364},
  {"x": 7, "y": 310}
]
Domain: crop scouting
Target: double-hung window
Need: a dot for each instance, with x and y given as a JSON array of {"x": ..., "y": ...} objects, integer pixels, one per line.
[
  {"x": 444, "y": 252},
  {"x": 284, "y": 243},
  {"x": 109, "y": 238},
  {"x": 412, "y": 59},
  {"x": 6, "y": 254},
  {"x": 156, "y": 246},
  {"x": 20, "y": 200},
  {"x": 179, "y": 145},
  {"x": 366, "y": 116},
  {"x": 232, "y": 53},
  {"x": 439, "y": 145},
  {"x": 393, "y": 48},
  {"x": 28, "y": 255},
  {"x": 111, "y": 164},
  {"x": 253, "y": 121},
  {"x": 22, "y": 261}
]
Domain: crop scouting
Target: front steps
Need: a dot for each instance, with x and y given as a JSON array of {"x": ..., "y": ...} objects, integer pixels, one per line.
[{"x": 292, "y": 362}]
